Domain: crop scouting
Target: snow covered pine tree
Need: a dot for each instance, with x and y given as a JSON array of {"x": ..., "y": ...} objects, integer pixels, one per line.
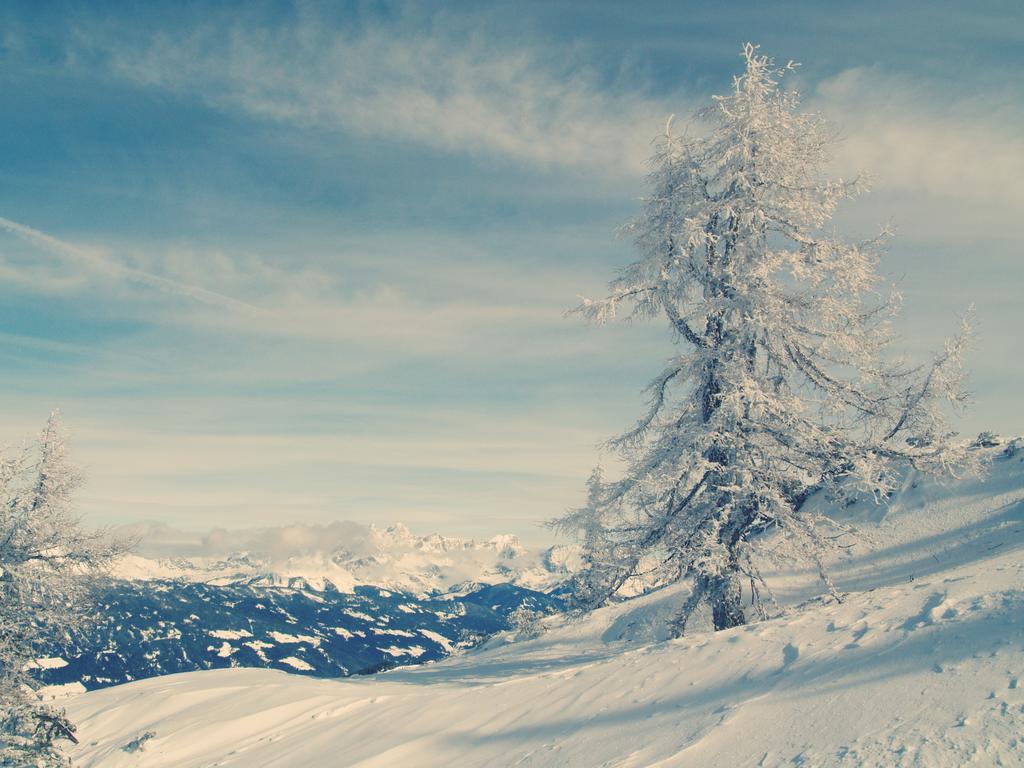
[
  {"x": 46, "y": 564},
  {"x": 782, "y": 385}
]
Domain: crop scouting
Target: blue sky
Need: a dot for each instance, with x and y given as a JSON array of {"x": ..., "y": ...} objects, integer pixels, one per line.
[{"x": 300, "y": 262}]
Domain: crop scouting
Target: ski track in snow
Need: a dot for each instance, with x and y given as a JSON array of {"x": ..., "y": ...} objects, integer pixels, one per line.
[{"x": 921, "y": 665}]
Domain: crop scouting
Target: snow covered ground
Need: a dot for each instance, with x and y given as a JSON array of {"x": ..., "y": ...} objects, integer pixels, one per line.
[{"x": 921, "y": 665}]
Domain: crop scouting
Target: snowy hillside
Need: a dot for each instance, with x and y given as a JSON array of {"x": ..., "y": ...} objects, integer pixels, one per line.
[
  {"x": 341, "y": 556},
  {"x": 921, "y": 665}
]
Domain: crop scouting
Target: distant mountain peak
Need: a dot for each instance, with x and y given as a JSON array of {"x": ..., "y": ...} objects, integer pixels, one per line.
[{"x": 342, "y": 556}]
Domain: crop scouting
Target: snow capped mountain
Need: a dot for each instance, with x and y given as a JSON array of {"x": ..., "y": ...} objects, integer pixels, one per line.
[
  {"x": 352, "y": 599},
  {"x": 342, "y": 556},
  {"x": 921, "y": 664}
]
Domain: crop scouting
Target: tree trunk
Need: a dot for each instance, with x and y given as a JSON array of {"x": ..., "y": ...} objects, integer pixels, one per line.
[{"x": 724, "y": 597}]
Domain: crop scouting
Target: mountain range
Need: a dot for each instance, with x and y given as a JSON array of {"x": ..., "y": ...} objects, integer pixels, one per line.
[{"x": 324, "y": 601}]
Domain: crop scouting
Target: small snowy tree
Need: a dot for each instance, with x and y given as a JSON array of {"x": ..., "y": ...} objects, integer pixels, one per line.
[
  {"x": 47, "y": 562},
  {"x": 527, "y": 623},
  {"x": 782, "y": 382}
]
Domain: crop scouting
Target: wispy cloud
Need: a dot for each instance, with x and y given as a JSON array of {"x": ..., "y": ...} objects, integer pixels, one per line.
[
  {"x": 359, "y": 309},
  {"x": 366, "y": 295},
  {"x": 927, "y": 145},
  {"x": 451, "y": 94},
  {"x": 101, "y": 263},
  {"x": 475, "y": 96}
]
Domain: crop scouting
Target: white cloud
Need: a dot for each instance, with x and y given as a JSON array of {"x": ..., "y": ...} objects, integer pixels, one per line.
[
  {"x": 916, "y": 138},
  {"x": 363, "y": 305},
  {"x": 98, "y": 262},
  {"x": 451, "y": 94},
  {"x": 277, "y": 542},
  {"x": 948, "y": 164}
]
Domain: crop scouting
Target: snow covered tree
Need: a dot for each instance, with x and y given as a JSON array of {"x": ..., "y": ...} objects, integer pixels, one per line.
[
  {"x": 526, "y": 623},
  {"x": 783, "y": 381},
  {"x": 47, "y": 563}
]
